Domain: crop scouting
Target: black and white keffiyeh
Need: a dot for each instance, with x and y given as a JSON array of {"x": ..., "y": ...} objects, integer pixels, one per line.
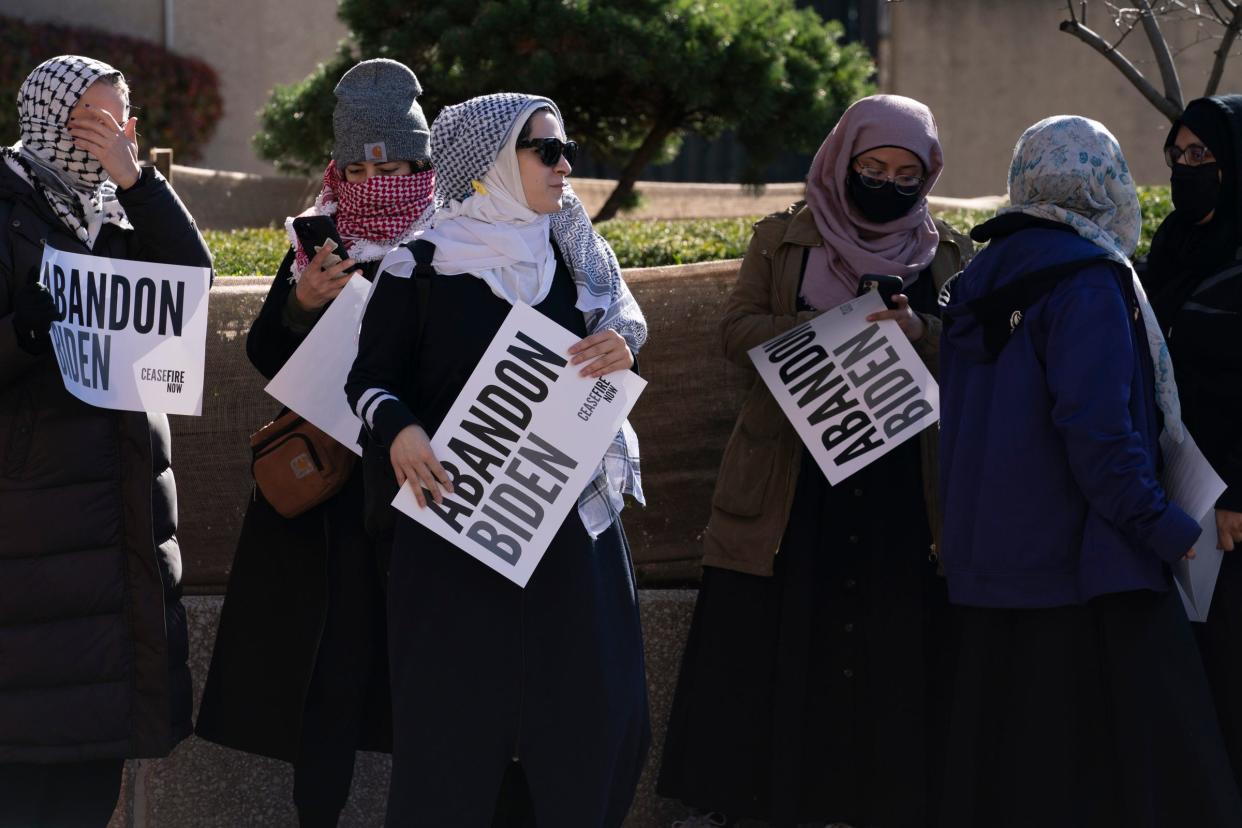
[
  {"x": 467, "y": 141},
  {"x": 72, "y": 180}
]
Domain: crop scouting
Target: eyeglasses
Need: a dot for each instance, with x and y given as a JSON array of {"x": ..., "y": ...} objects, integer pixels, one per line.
[
  {"x": 1195, "y": 154},
  {"x": 551, "y": 149},
  {"x": 875, "y": 179}
]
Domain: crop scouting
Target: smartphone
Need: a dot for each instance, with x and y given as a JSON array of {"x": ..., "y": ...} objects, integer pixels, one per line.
[
  {"x": 314, "y": 231},
  {"x": 886, "y": 286}
]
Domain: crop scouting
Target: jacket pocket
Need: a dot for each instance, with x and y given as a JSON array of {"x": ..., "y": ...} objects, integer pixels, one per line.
[{"x": 750, "y": 455}]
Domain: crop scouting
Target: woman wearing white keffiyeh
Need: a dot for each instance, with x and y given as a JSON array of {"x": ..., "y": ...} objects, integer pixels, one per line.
[
  {"x": 485, "y": 227},
  {"x": 491, "y": 681}
]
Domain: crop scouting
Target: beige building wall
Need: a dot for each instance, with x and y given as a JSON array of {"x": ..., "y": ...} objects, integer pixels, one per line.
[
  {"x": 990, "y": 68},
  {"x": 252, "y": 44}
]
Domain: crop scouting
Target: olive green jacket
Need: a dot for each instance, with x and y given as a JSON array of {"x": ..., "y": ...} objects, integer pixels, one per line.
[{"x": 759, "y": 471}]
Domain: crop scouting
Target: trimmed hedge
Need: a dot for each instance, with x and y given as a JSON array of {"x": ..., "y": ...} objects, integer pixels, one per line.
[
  {"x": 638, "y": 243},
  {"x": 177, "y": 99}
]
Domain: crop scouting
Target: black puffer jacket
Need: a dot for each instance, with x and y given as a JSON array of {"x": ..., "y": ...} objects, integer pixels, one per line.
[{"x": 93, "y": 641}]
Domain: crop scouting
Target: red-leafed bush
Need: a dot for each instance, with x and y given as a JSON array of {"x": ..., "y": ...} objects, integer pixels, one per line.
[{"x": 177, "y": 98}]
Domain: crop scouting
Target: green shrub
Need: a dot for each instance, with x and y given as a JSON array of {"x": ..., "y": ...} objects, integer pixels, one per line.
[
  {"x": 1156, "y": 204},
  {"x": 250, "y": 252},
  {"x": 638, "y": 242},
  {"x": 648, "y": 243},
  {"x": 177, "y": 99}
]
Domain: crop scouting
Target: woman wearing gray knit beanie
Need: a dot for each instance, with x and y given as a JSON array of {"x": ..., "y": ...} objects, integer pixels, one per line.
[{"x": 299, "y": 670}]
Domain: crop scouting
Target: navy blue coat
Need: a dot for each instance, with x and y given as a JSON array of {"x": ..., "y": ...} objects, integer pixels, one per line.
[{"x": 1049, "y": 451}]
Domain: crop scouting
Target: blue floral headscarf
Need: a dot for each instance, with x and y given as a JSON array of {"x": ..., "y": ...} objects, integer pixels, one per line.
[{"x": 1070, "y": 169}]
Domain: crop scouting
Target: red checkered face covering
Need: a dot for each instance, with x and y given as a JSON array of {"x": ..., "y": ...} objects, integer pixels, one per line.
[{"x": 381, "y": 209}]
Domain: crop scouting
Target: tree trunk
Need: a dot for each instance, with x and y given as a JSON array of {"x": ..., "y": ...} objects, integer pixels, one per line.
[{"x": 632, "y": 169}]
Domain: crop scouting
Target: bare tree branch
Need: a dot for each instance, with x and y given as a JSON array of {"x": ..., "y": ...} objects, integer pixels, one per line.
[
  {"x": 1164, "y": 59},
  {"x": 1216, "y": 12},
  {"x": 1222, "y": 54},
  {"x": 1167, "y": 107}
]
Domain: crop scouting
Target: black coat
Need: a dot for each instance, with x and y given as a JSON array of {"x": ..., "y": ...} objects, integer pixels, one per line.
[
  {"x": 483, "y": 671},
  {"x": 274, "y": 612},
  {"x": 1194, "y": 276},
  {"x": 93, "y": 642}
]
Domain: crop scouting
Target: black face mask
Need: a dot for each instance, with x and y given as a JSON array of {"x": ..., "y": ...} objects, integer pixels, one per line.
[
  {"x": 879, "y": 205},
  {"x": 1195, "y": 190}
]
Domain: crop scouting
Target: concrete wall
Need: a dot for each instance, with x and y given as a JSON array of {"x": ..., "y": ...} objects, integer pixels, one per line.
[
  {"x": 252, "y": 45},
  {"x": 990, "y": 68}
]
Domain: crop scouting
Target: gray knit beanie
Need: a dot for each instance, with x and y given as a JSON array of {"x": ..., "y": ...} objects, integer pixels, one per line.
[{"x": 377, "y": 118}]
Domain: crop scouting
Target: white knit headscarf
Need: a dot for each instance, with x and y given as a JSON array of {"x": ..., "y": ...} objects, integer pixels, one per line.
[{"x": 494, "y": 234}]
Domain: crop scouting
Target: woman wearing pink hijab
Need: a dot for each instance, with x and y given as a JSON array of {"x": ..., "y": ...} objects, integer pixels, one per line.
[{"x": 807, "y": 688}]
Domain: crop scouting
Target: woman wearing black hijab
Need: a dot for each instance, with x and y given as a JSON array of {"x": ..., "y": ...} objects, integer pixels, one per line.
[{"x": 1194, "y": 279}]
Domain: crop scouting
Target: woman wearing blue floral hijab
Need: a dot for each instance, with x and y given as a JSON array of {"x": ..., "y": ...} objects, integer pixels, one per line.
[{"x": 1079, "y": 696}]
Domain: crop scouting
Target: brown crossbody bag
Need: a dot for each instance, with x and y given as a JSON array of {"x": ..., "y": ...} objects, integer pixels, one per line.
[{"x": 296, "y": 466}]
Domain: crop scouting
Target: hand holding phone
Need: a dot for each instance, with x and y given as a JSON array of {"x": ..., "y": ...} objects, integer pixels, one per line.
[
  {"x": 897, "y": 306},
  {"x": 886, "y": 286},
  {"x": 313, "y": 232},
  {"x": 326, "y": 273}
]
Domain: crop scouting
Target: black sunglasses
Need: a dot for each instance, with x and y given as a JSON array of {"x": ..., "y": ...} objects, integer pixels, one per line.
[{"x": 551, "y": 149}]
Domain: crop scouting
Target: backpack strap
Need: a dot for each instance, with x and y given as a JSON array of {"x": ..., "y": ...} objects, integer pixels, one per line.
[
  {"x": 424, "y": 251},
  {"x": 999, "y": 313}
]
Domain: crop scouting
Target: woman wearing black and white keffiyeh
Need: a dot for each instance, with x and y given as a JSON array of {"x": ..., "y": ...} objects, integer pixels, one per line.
[
  {"x": 495, "y": 686},
  {"x": 74, "y": 152},
  {"x": 93, "y": 638}
]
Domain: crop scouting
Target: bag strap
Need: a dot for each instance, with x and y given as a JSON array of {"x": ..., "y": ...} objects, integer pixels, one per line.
[
  {"x": 999, "y": 313},
  {"x": 424, "y": 251}
]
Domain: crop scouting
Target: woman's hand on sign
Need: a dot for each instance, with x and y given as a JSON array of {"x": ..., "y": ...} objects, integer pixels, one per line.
[
  {"x": 319, "y": 283},
  {"x": 911, "y": 323},
  {"x": 601, "y": 353},
  {"x": 1228, "y": 529},
  {"x": 114, "y": 146},
  {"x": 413, "y": 460},
  {"x": 1190, "y": 555}
]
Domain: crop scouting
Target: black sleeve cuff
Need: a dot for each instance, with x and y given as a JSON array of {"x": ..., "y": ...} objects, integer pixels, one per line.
[
  {"x": 296, "y": 318},
  {"x": 389, "y": 418},
  {"x": 1231, "y": 500}
]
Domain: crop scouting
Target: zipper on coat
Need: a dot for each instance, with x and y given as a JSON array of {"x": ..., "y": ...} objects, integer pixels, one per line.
[{"x": 517, "y": 737}]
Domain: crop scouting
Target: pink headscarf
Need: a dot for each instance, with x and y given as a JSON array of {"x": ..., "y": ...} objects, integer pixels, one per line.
[{"x": 852, "y": 245}]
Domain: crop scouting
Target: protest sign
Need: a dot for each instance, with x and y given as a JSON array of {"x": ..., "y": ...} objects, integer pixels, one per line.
[
  {"x": 520, "y": 444},
  {"x": 312, "y": 380},
  {"x": 1193, "y": 485},
  {"x": 134, "y": 334},
  {"x": 854, "y": 390}
]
